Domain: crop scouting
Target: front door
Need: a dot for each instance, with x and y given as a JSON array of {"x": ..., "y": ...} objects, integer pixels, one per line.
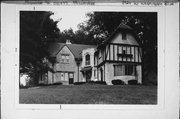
[
  {"x": 101, "y": 70},
  {"x": 71, "y": 78},
  {"x": 88, "y": 76}
]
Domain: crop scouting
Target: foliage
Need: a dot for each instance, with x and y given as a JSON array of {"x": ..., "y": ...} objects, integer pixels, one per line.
[
  {"x": 79, "y": 83},
  {"x": 132, "y": 82},
  {"x": 117, "y": 82},
  {"x": 36, "y": 31},
  {"x": 97, "y": 82}
]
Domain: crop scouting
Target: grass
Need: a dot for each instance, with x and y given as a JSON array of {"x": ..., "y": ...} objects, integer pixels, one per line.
[{"x": 90, "y": 94}]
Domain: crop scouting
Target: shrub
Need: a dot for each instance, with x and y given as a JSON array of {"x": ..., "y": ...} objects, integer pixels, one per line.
[
  {"x": 97, "y": 82},
  {"x": 79, "y": 83},
  {"x": 41, "y": 84},
  {"x": 100, "y": 82},
  {"x": 117, "y": 82},
  {"x": 58, "y": 83},
  {"x": 132, "y": 82}
]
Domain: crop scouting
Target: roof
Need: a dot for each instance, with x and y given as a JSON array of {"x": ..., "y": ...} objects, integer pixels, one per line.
[
  {"x": 76, "y": 49},
  {"x": 123, "y": 28},
  {"x": 86, "y": 69}
]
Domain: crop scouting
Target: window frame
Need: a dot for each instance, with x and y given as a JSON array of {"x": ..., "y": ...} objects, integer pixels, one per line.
[
  {"x": 64, "y": 58},
  {"x": 124, "y": 70},
  {"x": 87, "y": 62}
]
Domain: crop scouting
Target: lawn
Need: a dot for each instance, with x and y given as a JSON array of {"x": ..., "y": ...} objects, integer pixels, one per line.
[{"x": 90, "y": 94}]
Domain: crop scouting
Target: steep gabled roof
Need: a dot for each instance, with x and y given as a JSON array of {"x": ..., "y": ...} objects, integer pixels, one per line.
[
  {"x": 121, "y": 28},
  {"x": 124, "y": 26},
  {"x": 76, "y": 49}
]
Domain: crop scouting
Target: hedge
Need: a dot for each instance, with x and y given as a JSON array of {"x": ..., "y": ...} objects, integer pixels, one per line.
[{"x": 117, "y": 82}]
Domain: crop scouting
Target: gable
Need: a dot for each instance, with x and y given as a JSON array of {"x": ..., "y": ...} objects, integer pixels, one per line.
[
  {"x": 75, "y": 49},
  {"x": 64, "y": 51},
  {"x": 130, "y": 39},
  {"x": 116, "y": 36}
]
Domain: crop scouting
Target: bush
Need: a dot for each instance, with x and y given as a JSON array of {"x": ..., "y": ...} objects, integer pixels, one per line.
[
  {"x": 117, "y": 82},
  {"x": 91, "y": 82},
  {"x": 100, "y": 82},
  {"x": 58, "y": 83},
  {"x": 97, "y": 82},
  {"x": 41, "y": 84},
  {"x": 79, "y": 83},
  {"x": 132, "y": 82}
]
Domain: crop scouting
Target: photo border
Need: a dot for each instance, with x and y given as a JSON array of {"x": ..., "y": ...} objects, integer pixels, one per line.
[
  {"x": 115, "y": 8},
  {"x": 168, "y": 106}
]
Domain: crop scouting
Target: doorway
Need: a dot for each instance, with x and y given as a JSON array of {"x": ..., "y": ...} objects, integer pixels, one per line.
[
  {"x": 101, "y": 71},
  {"x": 71, "y": 78}
]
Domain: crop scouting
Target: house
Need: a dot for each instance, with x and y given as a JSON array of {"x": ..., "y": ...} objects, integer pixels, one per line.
[{"x": 118, "y": 57}]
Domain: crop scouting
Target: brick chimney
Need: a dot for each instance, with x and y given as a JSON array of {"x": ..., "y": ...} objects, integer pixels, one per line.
[{"x": 68, "y": 42}]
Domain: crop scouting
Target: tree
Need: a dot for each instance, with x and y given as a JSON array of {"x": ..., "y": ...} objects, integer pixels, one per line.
[
  {"x": 37, "y": 30},
  {"x": 103, "y": 24}
]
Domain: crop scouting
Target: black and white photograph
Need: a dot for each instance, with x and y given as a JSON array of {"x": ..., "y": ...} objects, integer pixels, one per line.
[
  {"x": 89, "y": 60},
  {"x": 88, "y": 57}
]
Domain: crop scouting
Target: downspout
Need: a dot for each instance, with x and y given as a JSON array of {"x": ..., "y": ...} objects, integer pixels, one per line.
[
  {"x": 78, "y": 63},
  {"x": 78, "y": 72}
]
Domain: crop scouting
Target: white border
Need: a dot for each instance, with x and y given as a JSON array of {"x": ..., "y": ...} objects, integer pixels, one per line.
[{"x": 10, "y": 97}]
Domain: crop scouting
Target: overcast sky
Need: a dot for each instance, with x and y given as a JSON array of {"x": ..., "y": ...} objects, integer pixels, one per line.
[{"x": 70, "y": 18}]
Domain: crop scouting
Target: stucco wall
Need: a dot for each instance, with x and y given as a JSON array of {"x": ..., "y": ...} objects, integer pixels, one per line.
[
  {"x": 89, "y": 51},
  {"x": 50, "y": 81},
  {"x": 139, "y": 73},
  {"x": 109, "y": 73},
  {"x": 130, "y": 39}
]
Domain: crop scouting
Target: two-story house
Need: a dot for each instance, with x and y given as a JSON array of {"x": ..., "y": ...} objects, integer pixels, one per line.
[{"x": 119, "y": 57}]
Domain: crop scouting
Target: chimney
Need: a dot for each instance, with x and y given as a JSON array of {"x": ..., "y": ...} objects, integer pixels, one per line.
[{"x": 68, "y": 41}]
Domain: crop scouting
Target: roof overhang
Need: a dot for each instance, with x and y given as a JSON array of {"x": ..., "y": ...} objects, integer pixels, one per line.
[{"x": 86, "y": 69}]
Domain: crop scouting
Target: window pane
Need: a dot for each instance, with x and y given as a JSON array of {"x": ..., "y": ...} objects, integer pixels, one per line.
[
  {"x": 118, "y": 70},
  {"x": 129, "y": 69},
  {"x": 87, "y": 59}
]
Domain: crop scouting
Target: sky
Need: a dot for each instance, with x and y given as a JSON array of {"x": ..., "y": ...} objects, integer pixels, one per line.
[{"x": 70, "y": 18}]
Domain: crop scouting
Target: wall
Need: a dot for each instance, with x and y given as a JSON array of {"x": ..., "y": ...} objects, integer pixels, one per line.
[
  {"x": 50, "y": 80},
  {"x": 109, "y": 73},
  {"x": 89, "y": 51},
  {"x": 139, "y": 73},
  {"x": 130, "y": 39}
]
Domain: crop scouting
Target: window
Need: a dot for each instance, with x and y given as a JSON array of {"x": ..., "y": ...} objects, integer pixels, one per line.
[
  {"x": 124, "y": 52},
  {"x": 120, "y": 70},
  {"x": 64, "y": 58},
  {"x": 87, "y": 62},
  {"x": 129, "y": 70},
  {"x": 124, "y": 37},
  {"x": 62, "y": 76}
]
